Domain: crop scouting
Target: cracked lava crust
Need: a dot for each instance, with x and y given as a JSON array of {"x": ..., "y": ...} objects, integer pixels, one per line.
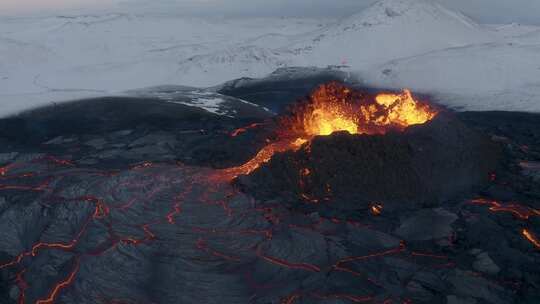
[{"x": 347, "y": 197}]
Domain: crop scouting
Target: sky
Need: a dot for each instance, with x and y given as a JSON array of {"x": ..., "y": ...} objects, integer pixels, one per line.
[{"x": 485, "y": 11}]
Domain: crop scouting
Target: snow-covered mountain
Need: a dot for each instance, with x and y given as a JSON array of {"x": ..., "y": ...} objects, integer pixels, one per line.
[
  {"x": 231, "y": 63},
  {"x": 395, "y": 43},
  {"x": 55, "y": 58},
  {"x": 387, "y": 30},
  {"x": 392, "y": 29}
]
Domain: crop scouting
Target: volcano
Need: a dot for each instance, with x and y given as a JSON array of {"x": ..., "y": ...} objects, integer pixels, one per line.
[
  {"x": 350, "y": 196},
  {"x": 342, "y": 145},
  {"x": 334, "y": 107}
]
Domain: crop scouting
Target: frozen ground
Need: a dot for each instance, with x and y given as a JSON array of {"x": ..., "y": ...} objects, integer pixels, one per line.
[{"x": 394, "y": 43}]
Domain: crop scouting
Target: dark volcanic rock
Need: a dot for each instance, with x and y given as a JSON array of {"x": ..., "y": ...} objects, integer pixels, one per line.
[
  {"x": 95, "y": 208},
  {"x": 439, "y": 222},
  {"x": 425, "y": 164},
  {"x": 468, "y": 284},
  {"x": 282, "y": 87},
  {"x": 152, "y": 129}
]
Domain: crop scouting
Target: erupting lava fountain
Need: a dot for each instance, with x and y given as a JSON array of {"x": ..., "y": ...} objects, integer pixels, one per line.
[{"x": 335, "y": 107}]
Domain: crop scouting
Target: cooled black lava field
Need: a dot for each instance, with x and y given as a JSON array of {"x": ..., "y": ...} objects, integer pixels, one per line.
[{"x": 120, "y": 201}]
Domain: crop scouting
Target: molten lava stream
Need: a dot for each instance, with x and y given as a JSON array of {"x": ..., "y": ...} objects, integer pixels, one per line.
[
  {"x": 520, "y": 211},
  {"x": 263, "y": 156},
  {"x": 531, "y": 238},
  {"x": 61, "y": 285},
  {"x": 334, "y": 107}
]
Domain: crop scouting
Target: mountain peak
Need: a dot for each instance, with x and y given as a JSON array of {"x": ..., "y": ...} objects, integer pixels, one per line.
[
  {"x": 418, "y": 11},
  {"x": 391, "y": 29}
]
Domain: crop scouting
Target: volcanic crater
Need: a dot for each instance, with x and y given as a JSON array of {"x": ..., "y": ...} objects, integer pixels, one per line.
[{"x": 353, "y": 149}]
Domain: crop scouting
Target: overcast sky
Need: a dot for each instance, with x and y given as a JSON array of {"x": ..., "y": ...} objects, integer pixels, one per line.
[{"x": 486, "y": 11}]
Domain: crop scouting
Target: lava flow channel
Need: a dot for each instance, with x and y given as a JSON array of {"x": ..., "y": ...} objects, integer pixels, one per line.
[
  {"x": 531, "y": 238},
  {"x": 335, "y": 107},
  {"x": 521, "y": 212}
]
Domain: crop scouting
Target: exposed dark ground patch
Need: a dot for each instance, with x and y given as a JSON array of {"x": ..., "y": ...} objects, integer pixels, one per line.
[
  {"x": 276, "y": 91},
  {"x": 122, "y": 131}
]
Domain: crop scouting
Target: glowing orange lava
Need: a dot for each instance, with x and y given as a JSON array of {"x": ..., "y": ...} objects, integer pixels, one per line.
[
  {"x": 334, "y": 107},
  {"x": 58, "y": 287},
  {"x": 520, "y": 211},
  {"x": 376, "y": 209},
  {"x": 263, "y": 156},
  {"x": 531, "y": 238}
]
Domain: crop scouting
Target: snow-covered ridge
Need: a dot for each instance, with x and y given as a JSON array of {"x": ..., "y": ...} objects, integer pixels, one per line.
[
  {"x": 233, "y": 63},
  {"x": 392, "y": 43},
  {"x": 398, "y": 11},
  {"x": 392, "y": 29},
  {"x": 75, "y": 56}
]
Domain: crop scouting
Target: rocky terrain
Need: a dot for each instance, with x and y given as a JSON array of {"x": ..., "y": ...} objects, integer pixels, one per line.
[{"x": 116, "y": 200}]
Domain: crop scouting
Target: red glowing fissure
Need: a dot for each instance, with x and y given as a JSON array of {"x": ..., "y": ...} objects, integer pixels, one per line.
[
  {"x": 101, "y": 211},
  {"x": 519, "y": 211}
]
